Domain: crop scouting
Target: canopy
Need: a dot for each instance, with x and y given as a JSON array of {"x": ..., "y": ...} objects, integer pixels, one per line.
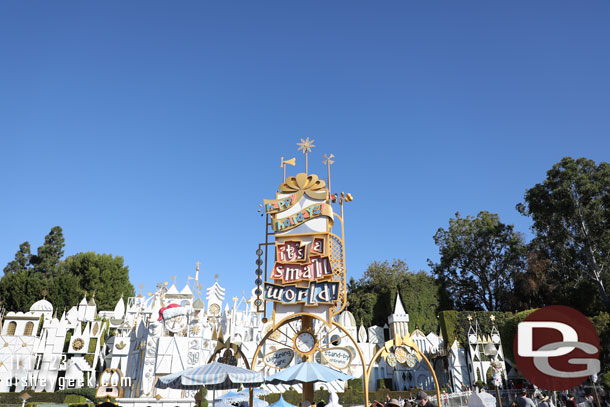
[
  {"x": 481, "y": 399},
  {"x": 307, "y": 372},
  {"x": 213, "y": 376},
  {"x": 259, "y": 403},
  {"x": 282, "y": 403},
  {"x": 234, "y": 396},
  {"x": 257, "y": 392}
]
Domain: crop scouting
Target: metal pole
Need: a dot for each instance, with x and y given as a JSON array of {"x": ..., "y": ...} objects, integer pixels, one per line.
[{"x": 599, "y": 404}]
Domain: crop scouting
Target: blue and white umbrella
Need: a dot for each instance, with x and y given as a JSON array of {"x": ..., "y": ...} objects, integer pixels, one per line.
[
  {"x": 214, "y": 376},
  {"x": 257, "y": 392},
  {"x": 282, "y": 403},
  {"x": 307, "y": 372},
  {"x": 234, "y": 396},
  {"x": 258, "y": 403}
]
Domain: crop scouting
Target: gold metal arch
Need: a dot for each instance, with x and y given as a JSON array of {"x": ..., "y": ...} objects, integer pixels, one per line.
[
  {"x": 300, "y": 315},
  {"x": 406, "y": 341},
  {"x": 236, "y": 350}
]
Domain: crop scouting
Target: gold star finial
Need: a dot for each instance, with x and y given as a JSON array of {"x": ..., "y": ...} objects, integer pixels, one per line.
[
  {"x": 198, "y": 263},
  {"x": 305, "y": 146},
  {"x": 216, "y": 277},
  {"x": 493, "y": 318},
  {"x": 469, "y": 318}
]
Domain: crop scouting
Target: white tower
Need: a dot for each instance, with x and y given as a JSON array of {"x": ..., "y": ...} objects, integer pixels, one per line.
[{"x": 399, "y": 320}]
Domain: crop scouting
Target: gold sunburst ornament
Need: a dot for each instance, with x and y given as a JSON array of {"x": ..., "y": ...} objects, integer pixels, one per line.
[{"x": 305, "y": 146}]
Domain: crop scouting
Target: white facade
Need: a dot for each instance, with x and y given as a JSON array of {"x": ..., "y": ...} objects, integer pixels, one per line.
[{"x": 171, "y": 330}]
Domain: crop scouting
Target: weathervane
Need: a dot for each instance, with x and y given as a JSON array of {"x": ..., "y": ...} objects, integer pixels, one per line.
[
  {"x": 328, "y": 161},
  {"x": 173, "y": 278},
  {"x": 291, "y": 162},
  {"x": 305, "y": 146}
]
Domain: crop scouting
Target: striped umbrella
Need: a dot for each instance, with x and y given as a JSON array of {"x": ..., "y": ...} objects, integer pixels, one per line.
[
  {"x": 234, "y": 396},
  {"x": 282, "y": 403},
  {"x": 257, "y": 392},
  {"x": 307, "y": 372},
  {"x": 214, "y": 376}
]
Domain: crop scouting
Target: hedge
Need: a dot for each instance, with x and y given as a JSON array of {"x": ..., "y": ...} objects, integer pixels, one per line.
[{"x": 13, "y": 397}]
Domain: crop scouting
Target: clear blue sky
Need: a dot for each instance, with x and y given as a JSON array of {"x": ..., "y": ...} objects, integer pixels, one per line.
[{"x": 153, "y": 129}]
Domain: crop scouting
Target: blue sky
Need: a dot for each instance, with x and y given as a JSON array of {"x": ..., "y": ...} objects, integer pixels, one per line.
[{"x": 153, "y": 129}]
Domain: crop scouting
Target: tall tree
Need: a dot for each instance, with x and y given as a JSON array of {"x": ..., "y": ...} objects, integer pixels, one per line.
[
  {"x": 50, "y": 253},
  {"x": 479, "y": 259},
  {"x": 571, "y": 214},
  {"x": 102, "y": 274},
  {"x": 373, "y": 297},
  {"x": 22, "y": 260},
  {"x": 20, "y": 287},
  {"x": 27, "y": 276}
]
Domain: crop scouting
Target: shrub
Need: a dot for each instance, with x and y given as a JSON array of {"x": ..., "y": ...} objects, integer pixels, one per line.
[{"x": 200, "y": 400}]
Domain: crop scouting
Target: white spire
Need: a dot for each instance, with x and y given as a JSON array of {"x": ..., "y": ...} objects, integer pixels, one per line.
[
  {"x": 119, "y": 309},
  {"x": 398, "y": 308}
]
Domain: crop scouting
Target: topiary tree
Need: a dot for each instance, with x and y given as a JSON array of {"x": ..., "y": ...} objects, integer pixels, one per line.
[{"x": 200, "y": 397}]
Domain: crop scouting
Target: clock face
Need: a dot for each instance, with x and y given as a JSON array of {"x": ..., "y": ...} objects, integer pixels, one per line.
[
  {"x": 401, "y": 354},
  {"x": 472, "y": 338},
  {"x": 305, "y": 342},
  {"x": 176, "y": 324},
  {"x": 495, "y": 338}
]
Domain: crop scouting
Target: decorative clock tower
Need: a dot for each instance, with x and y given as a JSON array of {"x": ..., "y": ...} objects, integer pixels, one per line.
[{"x": 215, "y": 295}]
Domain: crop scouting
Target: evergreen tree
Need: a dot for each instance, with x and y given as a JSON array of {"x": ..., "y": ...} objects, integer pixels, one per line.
[
  {"x": 22, "y": 260},
  {"x": 50, "y": 253},
  {"x": 102, "y": 274},
  {"x": 27, "y": 276}
]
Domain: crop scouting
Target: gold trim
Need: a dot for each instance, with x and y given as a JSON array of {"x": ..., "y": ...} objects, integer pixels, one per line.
[{"x": 329, "y": 324}]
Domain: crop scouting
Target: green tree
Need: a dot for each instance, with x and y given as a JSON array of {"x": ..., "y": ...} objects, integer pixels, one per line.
[
  {"x": 20, "y": 286},
  {"x": 64, "y": 290},
  {"x": 20, "y": 289},
  {"x": 50, "y": 253},
  {"x": 571, "y": 214},
  {"x": 479, "y": 260},
  {"x": 22, "y": 260},
  {"x": 102, "y": 274},
  {"x": 28, "y": 276},
  {"x": 372, "y": 298}
]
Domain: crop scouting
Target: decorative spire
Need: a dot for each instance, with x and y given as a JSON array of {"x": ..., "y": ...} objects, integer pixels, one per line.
[
  {"x": 292, "y": 162},
  {"x": 305, "y": 146},
  {"x": 328, "y": 161}
]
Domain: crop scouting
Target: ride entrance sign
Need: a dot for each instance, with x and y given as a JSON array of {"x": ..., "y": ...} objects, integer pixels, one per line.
[{"x": 304, "y": 276}]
